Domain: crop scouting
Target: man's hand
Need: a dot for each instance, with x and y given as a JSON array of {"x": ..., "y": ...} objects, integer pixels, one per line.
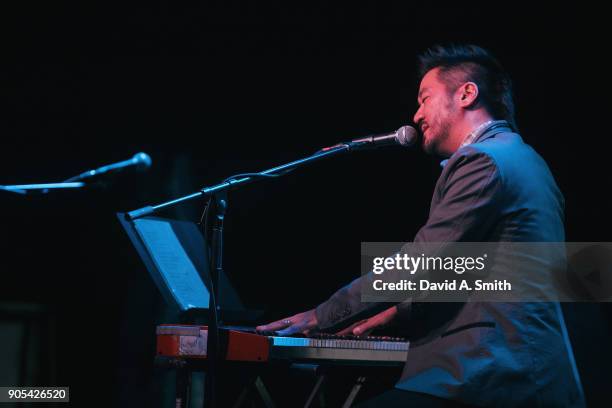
[
  {"x": 299, "y": 323},
  {"x": 365, "y": 327}
]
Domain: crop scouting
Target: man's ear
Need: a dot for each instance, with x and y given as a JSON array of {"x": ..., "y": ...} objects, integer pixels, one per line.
[{"x": 468, "y": 94}]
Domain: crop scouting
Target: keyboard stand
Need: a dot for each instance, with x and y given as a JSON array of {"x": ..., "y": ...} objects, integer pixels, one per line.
[
  {"x": 258, "y": 385},
  {"x": 322, "y": 374},
  {"x": 184, "y": 367}
]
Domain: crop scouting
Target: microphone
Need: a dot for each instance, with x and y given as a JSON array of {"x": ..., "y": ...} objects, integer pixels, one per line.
[
  {"x": 406, "y": 136},
  {"x": 140, "y": 161}
]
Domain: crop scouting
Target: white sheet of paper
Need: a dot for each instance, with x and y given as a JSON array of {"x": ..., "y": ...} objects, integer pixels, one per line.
[{"x": 174, "y": 264}]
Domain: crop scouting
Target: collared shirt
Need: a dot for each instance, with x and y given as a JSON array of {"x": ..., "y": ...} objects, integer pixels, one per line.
[{"x": 476, "y": 133}]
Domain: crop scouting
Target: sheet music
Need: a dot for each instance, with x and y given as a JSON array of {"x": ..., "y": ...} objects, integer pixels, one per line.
[{"x": 172, "y": 261}]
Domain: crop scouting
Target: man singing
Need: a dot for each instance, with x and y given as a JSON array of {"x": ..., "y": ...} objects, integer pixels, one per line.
[{"x": 493, "y": 188}]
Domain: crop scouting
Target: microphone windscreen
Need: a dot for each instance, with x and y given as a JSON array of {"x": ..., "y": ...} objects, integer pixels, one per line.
[
  {"x": 406, "y": 136},
  {"x": 143, "y": 160}
]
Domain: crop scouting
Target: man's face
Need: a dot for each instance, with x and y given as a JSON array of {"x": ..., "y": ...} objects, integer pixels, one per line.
[{"x": 436, "y": 112}]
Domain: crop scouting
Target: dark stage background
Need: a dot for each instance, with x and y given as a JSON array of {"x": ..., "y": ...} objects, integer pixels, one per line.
[{"x": 210, "y": 89}]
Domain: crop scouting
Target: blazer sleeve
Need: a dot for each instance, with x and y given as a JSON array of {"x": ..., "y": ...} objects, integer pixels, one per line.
[{"x": 466, "y": 205}]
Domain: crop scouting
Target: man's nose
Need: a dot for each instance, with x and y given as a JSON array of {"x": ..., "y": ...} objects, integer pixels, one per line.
[{"x": 418, "y": 116}]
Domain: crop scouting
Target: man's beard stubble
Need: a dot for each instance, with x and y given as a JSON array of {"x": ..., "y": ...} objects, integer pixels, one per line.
[
  {"x": 431, "y": 144},
  {"x": 442, "y": 125}
]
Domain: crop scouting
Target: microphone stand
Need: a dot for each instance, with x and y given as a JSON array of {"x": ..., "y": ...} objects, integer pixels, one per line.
[
  {"x": 236, "y": 181},
  {"x": 139, "y": 159},
  {"x": 25, "y": 188},
  {"x": 218, "y": 193}
]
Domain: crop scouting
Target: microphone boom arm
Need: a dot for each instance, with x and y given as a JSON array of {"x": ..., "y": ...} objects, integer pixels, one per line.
[{"x": 232, "y": 183}]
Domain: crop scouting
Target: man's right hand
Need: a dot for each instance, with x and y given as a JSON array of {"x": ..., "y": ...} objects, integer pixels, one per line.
[{"x": 299, "y": 323}]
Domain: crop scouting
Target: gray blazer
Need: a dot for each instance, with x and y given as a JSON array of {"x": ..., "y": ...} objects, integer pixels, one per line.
[{"x": 491, "y": 353}]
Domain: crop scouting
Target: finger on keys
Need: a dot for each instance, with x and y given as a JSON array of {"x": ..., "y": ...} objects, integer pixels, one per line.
[
  {"x": 349, "y": 329},
  {"x": 294, "y": 329},
  {"x": 364, "y": 329},
  {"x": 274, "y": 326}
]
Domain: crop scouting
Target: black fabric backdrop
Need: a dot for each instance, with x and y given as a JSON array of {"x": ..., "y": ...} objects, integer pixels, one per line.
[{"x": 210, "y": 89}]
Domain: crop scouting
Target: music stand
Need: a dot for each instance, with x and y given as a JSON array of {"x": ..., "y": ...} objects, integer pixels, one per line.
[{"x": 174, "y": 254}]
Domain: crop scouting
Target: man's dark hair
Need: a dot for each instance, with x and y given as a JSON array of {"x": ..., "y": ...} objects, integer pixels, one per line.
[{"x": 469, "y": 63}]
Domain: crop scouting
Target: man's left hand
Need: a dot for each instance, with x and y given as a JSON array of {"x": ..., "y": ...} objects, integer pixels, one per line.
[{"x": 365, "y": 327}]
